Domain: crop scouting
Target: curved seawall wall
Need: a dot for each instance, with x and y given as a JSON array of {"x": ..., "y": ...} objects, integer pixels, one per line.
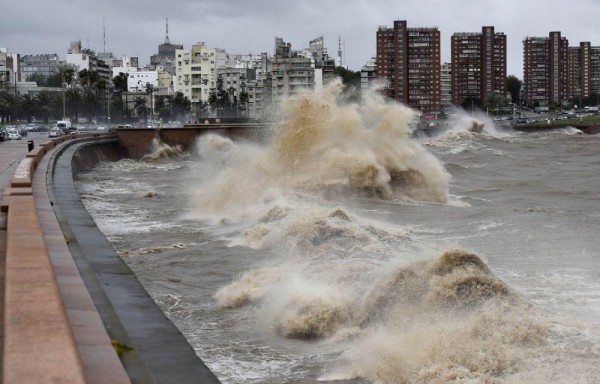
[
  {"x": 65, "y": 289},
  {"x": 160, "y": 353}
]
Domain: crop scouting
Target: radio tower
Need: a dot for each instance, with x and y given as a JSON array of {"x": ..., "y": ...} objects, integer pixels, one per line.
[
  {"x": 340, "y": 51},
  {"x": 167, "y": 36},
  {"x": 104, "y": 35}
]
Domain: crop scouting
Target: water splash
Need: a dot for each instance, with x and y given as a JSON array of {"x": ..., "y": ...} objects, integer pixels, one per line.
[
  {"x": 323, "y": 147},
  {"x": 396, "y": 311},
  {"x": 162, "y": 150}
]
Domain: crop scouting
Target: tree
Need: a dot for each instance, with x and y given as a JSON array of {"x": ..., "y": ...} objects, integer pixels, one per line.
[
  {"x": 349, "y": 78},
  {"x": 68, "y": 75},
  {"x": 243, "y": 107},
  {"x": 139, "y": 105},
  {"x": 89, "y": 83},
  {"x": 351, "y": 82},
  {"x": 591, "y": 100},
  {"x": 180, "y": 105},
  {"x": 150, "y": 92},
  {"x": 28, "y": 107},
  {"x": 496, "y": 103},
  {"x": 8, "y": 104},
  {"x": 54, "y": 80},
  {"x": 219, "y": 99},
  {"x": 44, "y": 103},
  {"x": 73, "y": 99},
  {"x": 38, "y": 78},
  {"x": 120, "y": 83},
  {"x": 513, "y": 84},
  {"x": 471, "y": 104},
  {"x": 161, "y": 107}
]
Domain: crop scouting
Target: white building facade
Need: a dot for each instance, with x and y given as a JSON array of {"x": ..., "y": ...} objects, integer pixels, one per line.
[
  {"x": 196, "y": 71},
  {"x": 368, "y": 77}
]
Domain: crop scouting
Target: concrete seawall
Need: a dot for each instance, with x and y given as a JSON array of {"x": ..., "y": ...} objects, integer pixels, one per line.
[
  {"x": 136, "y": 142},
  {"x": 66, "y": 290}
]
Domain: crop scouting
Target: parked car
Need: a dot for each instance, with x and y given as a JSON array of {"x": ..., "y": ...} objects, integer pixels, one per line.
[{"x": 14, "y": 135}]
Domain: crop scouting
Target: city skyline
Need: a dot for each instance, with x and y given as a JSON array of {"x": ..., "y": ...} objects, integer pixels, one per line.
[{"x": 243, "y": 27}]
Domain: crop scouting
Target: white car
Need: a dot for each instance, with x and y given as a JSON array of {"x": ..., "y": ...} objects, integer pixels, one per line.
[
  {"x": 55, "y": 133},
  {"x": 14, "y": 135}
]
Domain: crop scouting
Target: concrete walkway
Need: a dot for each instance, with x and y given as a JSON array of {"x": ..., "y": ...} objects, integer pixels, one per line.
[
  {"x": 85, "y": 352},
  {"x": 11, "y": 153},
  {"x": 61, "y": 327},
  {"x": 161, "y": 353}
]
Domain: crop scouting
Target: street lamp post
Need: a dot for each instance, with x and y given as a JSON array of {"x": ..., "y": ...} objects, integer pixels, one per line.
[
  {"x": 126, "y": 94},
  {"x": 110, "y": 92},
  {"x": 150, "y": 90},
  {"x": 62, "y": 78}
]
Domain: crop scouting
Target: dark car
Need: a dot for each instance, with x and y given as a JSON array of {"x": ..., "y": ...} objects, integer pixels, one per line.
[{"x": 3, "y": 135}]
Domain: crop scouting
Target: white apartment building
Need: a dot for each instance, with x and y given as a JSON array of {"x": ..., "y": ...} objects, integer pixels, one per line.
[
  {"x": 81, "y": 59},
  {"x": 235, "y": 80},
  {"x": 137, "y": 80},
  {"x": 291, "y": 71},
  {"x": 196, "y": 71},
  {"x": 166, "y": 81},
  {"x": 368, "y": 77},
  {"x": 259, "y": 89},
  {"x": 9, "y": 67},
  {"x": 446, "y": 87}
]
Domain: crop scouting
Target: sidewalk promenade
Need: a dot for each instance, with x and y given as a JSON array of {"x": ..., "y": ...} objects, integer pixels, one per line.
[
  {"x": 10, "y": 154},
  {"x": 71, "y": 310},
  {"x": 50, "y": 329}
]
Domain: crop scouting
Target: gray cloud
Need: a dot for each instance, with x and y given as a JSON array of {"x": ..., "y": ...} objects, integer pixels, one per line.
[{"x": 136, "y": 28}]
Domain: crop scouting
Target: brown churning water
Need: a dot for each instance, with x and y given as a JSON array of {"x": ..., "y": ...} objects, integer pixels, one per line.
[{"x": 343, "y": 251}]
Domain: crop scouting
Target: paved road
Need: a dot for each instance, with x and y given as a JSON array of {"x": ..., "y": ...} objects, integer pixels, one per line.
[{"x": 10, "y": 153}]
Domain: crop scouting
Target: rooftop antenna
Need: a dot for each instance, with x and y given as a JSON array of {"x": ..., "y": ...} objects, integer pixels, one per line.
[
  {"x": 340, "y": 51},
  {"x": 167, "y": 36},
  {"x": 104, "y": 34}
]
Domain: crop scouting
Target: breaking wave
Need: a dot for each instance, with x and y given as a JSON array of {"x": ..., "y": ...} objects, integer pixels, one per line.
[
  {"x": 324, "y": 147},
  {"x": 442, "y": 319},
  {"x": 391, "y": 308},
  {"x": 162, "y": 150}
]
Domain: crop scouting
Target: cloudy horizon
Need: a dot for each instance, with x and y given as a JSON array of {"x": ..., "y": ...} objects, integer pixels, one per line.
[{"x": 240, "y": 27}]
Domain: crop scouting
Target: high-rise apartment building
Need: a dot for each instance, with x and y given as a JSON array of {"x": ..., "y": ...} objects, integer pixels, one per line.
[
  {"x": 291, "y": 71},
  {"x": 323, "y": 62},
  {"x": 546, "y": 70},
  {"x": 196, "y": 70},
  {"x": 446, "y": 87},
  {"x": 575, "y": 66},
  {"x": 478, "y": 65},
  {"x": 408, "y": 59},
  {"x": 584, "y": 70},
  {"x": 368, "y": 77}
]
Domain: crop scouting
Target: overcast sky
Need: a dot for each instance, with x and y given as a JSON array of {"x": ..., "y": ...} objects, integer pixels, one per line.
[{"x": 136, "y": 28}]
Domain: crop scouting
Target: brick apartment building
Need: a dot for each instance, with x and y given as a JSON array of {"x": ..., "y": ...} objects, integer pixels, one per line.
[
  {"x": 584, "y": 70},
  {"x": 546, "y": 70},
  {"x": 478, "y": 65},
  {"x": 408, "y": 59}
]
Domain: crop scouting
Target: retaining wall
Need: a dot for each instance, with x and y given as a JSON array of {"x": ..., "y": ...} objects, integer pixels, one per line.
[{"x": 68, "y": 295}]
